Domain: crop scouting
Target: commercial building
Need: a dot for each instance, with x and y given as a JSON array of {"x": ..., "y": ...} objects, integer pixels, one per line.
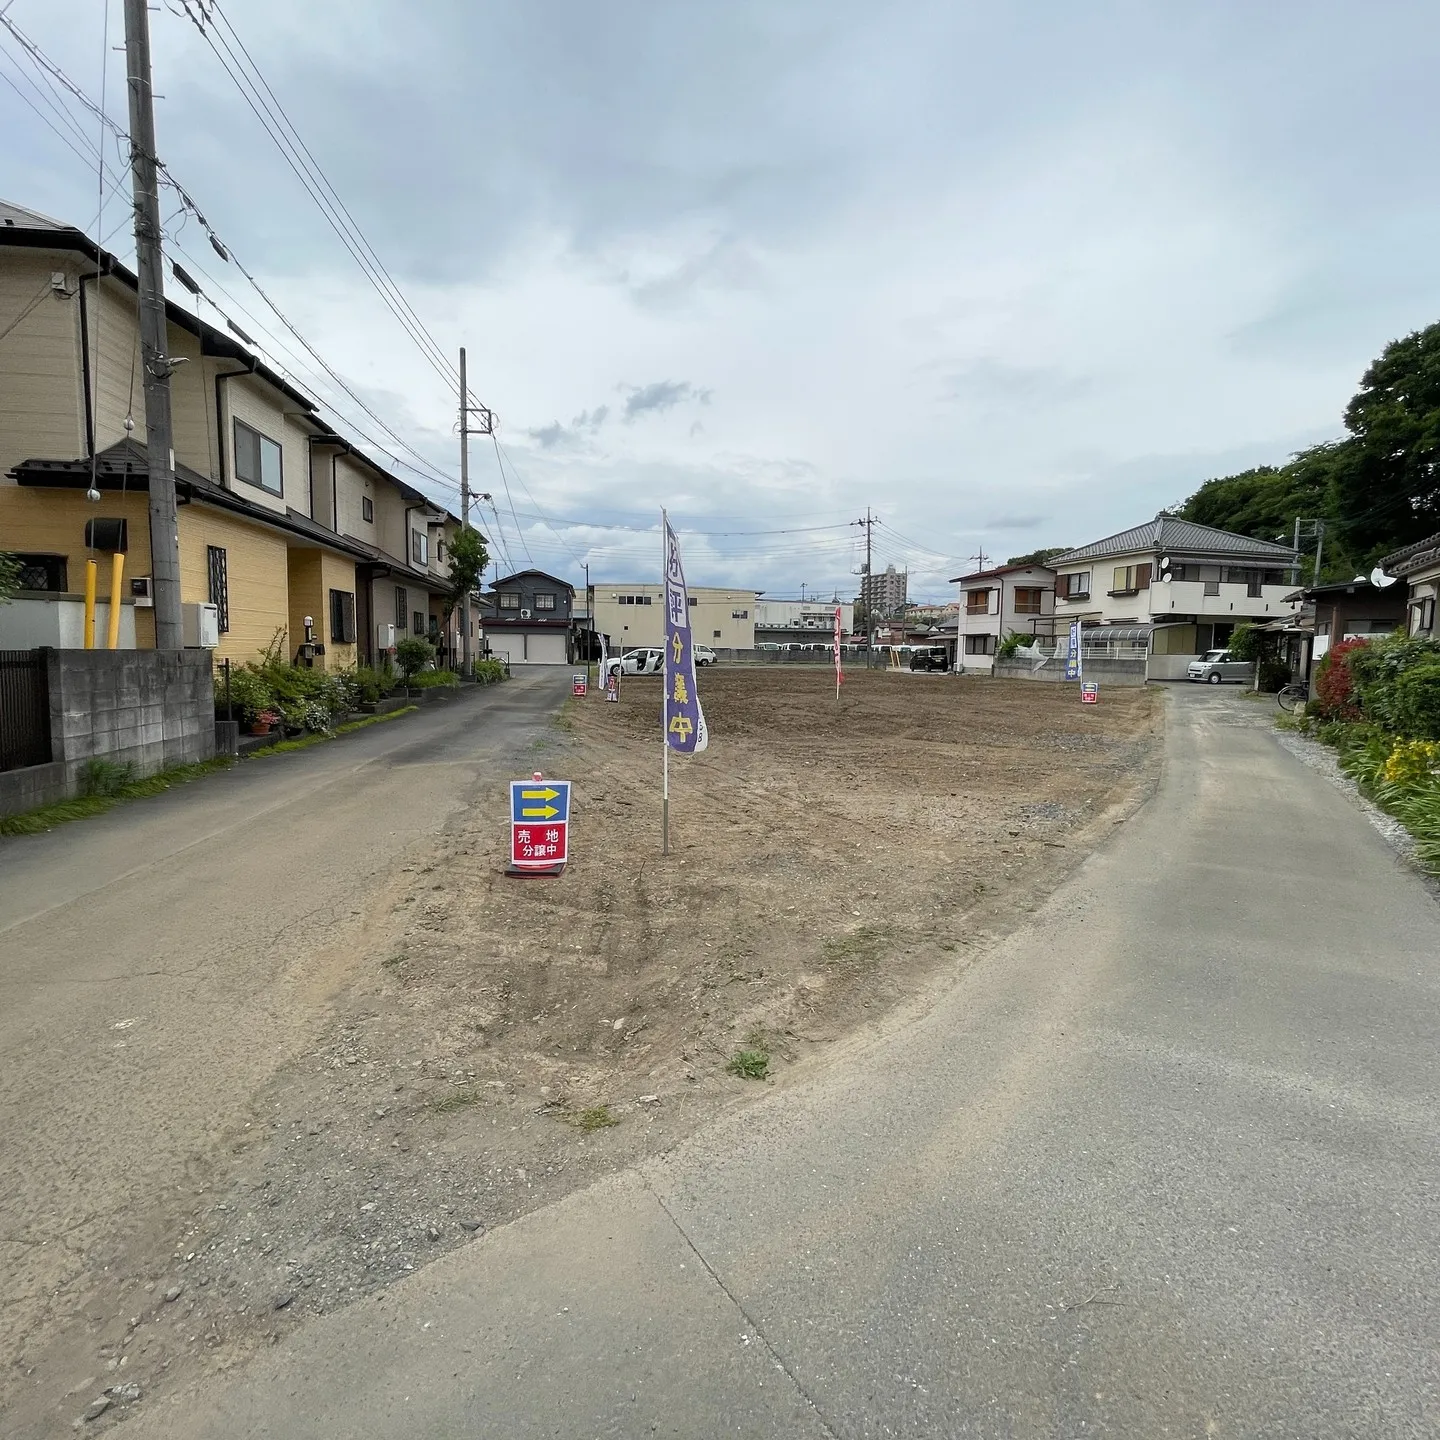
[
  {"x": 634, "y": 615},
  {"x": 806, "y": 622},
  {"x": 280, "y": 517}
]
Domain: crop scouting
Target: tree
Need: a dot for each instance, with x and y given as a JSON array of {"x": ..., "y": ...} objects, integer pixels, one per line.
[
  {"x": 1387, "y": 495},
  {"x": 1039, "y": 557},
  {"x": 413, "y": 654},
  {"x": 9, "y": 577},
  {"x": 468, "y": 559}
]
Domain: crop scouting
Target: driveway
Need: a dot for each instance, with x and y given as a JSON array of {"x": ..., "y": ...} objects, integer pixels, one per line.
[
  {"x": 159, "y": 963},
  {"x": 1164, "y": 1162}
]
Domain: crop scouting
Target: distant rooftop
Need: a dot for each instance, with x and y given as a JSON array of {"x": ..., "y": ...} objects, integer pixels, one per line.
[{"x": 1165, "y": 533}]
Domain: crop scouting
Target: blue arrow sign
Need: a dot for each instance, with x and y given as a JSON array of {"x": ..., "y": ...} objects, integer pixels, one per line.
[{"x": 534, "y": 802}]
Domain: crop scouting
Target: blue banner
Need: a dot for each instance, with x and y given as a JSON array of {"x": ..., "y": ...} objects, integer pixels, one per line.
[
  {"x": 1073, "y": 664},
  {"x": 684, "y": 720}
]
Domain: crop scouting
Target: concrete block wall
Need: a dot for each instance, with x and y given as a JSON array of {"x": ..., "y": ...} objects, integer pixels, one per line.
[
  {"x": 1103, "y": 672},
  {"x": 146, "y": 708}
]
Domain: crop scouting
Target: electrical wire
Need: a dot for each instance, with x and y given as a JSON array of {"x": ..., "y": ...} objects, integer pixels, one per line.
[{"x": 27, "y": 311}]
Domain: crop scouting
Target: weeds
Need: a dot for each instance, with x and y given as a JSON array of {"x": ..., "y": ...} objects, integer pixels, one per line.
[
  {"x": 749, "y": 1064},
  {"x": 856, "y": 949},
  {"x": 108, "y": 775},
  {"x": 304, "y": 742},
  {"x": 595, "y": 1117},
  {"x": 461, "y": 1099}
]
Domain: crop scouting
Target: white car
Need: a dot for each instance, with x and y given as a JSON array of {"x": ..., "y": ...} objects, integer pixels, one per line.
[
  {"x": 637, "y": 662},
  {"x": 704, "y": 655}
]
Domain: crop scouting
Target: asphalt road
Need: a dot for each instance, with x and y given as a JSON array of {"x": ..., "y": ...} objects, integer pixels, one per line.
[
  {"x": 1163, "y": 1163},
  {"x": 160, "y": 962}
]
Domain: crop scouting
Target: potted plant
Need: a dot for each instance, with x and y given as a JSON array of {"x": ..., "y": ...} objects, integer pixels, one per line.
[{"x": 263, "y": 722}]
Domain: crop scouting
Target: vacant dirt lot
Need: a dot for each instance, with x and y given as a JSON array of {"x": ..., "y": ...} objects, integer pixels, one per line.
[{"x": 506, "y": 1041}]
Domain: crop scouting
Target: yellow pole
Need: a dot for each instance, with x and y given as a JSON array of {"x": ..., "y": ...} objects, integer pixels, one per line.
[
  {"x": 117, "y": 571},
  {"x": 89, "y": 604}
]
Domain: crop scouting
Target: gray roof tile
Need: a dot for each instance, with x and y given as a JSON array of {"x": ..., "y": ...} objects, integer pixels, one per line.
[{"x": 1166, "y": 533}]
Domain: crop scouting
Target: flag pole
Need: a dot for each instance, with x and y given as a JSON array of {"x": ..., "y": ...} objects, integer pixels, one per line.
[{"x": 664, "y": 737}]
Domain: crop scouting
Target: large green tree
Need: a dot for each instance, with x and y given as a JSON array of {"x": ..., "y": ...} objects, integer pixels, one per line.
[
  {"x": 1387, "y": 494},
  {"x": 1042, "y": 556},
  {"x": 468, "y": 559}
]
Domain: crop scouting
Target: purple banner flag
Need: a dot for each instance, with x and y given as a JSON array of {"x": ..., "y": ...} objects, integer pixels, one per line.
[{"x": 684, "y": 720}]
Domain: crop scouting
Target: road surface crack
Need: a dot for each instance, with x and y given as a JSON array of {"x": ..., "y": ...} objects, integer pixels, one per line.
[{"x": 775, "y": 1355}]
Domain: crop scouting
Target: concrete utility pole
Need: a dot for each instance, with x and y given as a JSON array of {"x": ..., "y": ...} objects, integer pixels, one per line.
[
  {"x": 869, "y": 600},
  {"x": 154, "y": 347},
  {"x": 465, "y": 667}
]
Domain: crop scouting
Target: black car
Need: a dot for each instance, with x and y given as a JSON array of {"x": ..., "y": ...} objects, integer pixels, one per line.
[{"x": 934, "y": 657}]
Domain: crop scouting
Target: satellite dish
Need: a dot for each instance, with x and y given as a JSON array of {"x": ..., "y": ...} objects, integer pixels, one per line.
[{"x": 1380, "y": 579}]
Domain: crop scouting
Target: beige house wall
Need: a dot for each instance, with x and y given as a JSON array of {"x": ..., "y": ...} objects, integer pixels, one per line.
[{"x": 256, "y": 560}]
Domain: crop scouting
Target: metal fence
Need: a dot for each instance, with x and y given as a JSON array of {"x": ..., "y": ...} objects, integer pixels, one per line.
[{"x": 24, "y": 709}]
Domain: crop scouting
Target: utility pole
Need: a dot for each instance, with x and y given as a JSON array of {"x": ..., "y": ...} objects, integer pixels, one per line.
[
  {"x": 590, "y": 619},
  {"x": 154, "y": 347},
  {"x": 465, "y": 662},
  {"x": 869, "y": 599}
]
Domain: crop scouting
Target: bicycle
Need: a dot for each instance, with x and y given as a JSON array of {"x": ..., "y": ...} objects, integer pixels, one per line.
[{"x": 1292, "y": 697}]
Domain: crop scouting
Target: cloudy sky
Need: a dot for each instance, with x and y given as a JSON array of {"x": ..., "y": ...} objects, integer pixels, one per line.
[{"x": 1009, "y": 275}]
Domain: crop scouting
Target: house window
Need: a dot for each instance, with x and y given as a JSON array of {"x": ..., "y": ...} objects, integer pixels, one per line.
[
  {"x": 979, "y": 644},
  {"x": 342, "y": 617},
  {"x": 402, "y": 608},
  {"x": 42, "y": 572},
  {"x": 977, "y": 602},
  {"x": 1027, "y": 600},
  {"x": 739, "y": 614},
  {"x": 419, "y": 547},
  {"x": 716, "y": 634},
  {"x": 1075, "y": 587},
  {"x": 440, "y": 551},
  {"x": 217, "y": 573},
  {"x": 418, "y": 622},
  {"x": 258, "y": 459},
  {"x": 544, "y": 601},
  {"x": 1422, "y": 615},
  {"x": 510, "y": 600},
  {"x": 367, "y": 509},
  {"x": 1131, "y": 579},
  {"x": 693, "y": 600}
]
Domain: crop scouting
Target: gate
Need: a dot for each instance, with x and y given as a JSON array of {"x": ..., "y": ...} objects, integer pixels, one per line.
[{"x": 24, "y": 709}]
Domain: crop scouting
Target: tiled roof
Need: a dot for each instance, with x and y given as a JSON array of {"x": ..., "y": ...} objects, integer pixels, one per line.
[
  {"x": 996, "y": 570},
  {"x": 1413, "y": 557},
  {"x": 1166, "y": 533},
  {"x": 19, "y": 218}
]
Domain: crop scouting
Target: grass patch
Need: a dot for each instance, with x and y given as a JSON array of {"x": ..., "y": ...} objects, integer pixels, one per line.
[
  {"x": 433, "y": 680},
  {"x": 461, "y": 1099},
  {"x": 749, "y": 1064},
  {"x": 109, "y": 784},
  {"x": 859, "y": 948},
  {"x": 594, "y": 1117},
  {"x": 304, "y": 742}
]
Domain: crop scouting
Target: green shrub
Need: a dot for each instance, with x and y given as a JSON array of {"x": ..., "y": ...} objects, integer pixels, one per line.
[
  {"x": 371, "y": 684},
  {"x": 1010, "y": 644},
  {"x": 413, "y": 654},
  {"x": 433, "y": 679},
  {"x": 490, "y": 672},
  {"x": 1415, "y": 702},
  {"x": 1274, "y": 675}
]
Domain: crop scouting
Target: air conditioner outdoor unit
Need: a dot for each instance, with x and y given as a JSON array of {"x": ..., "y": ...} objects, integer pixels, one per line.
[
  {"x": 524, "y": 614},
  {"x": 199, "y": 626}
]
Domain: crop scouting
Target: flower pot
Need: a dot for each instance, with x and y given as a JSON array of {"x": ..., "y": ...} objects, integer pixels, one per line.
[{"x": 259, "y": 727}]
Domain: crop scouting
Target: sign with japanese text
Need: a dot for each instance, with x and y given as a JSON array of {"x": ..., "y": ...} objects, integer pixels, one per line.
[
  {"x": 577, "y": 683},
  {"x": 684, "y": 720},
  {"x": 539, "y": 824},
  {"x": 839, "y": 669},
  {"x": 1073, "y": 665},
  {"x": 1089, "y": 692}
]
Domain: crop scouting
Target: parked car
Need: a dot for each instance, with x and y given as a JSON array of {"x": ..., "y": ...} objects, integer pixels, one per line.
[
  {"x": 637, "y": 662},
  {"x": 1214, "y": 667},
  {"x": 930, "y": 657},
  {"x": 704, "y": 655}
]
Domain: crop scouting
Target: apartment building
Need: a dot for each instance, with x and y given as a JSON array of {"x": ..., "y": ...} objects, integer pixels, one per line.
[
  {"x": 883, "y": 593},
  {"x": 280, "y": 518},
  {"x": 779, "y": 621}
]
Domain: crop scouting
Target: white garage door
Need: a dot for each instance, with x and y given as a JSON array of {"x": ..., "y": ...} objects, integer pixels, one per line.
[{"x": 545, "y": 648}]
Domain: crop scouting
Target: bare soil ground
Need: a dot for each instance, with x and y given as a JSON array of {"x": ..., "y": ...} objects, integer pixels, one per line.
[{"x": 507, "y": 1041}]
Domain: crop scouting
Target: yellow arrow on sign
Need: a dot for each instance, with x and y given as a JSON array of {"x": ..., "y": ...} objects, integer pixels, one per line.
[
  {"x": 540, "y": 812},
  {"x": 546, "y": 794}
]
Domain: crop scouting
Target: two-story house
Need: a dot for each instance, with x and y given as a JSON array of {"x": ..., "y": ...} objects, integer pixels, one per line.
[
  {"x": 1419, "y": 566},
  {"x": 280, "y": 519},
  {"x": 999, "y": 602},
  {"x": 1171, "y": 589},
  {"x": 529, "y": 619}
]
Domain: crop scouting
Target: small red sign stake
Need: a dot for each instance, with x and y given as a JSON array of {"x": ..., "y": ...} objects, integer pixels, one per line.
[
  {"x": 577, "y": 683},
  {"x": 539, "y": 826},
  {"x": 1089, "y": 692}
]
